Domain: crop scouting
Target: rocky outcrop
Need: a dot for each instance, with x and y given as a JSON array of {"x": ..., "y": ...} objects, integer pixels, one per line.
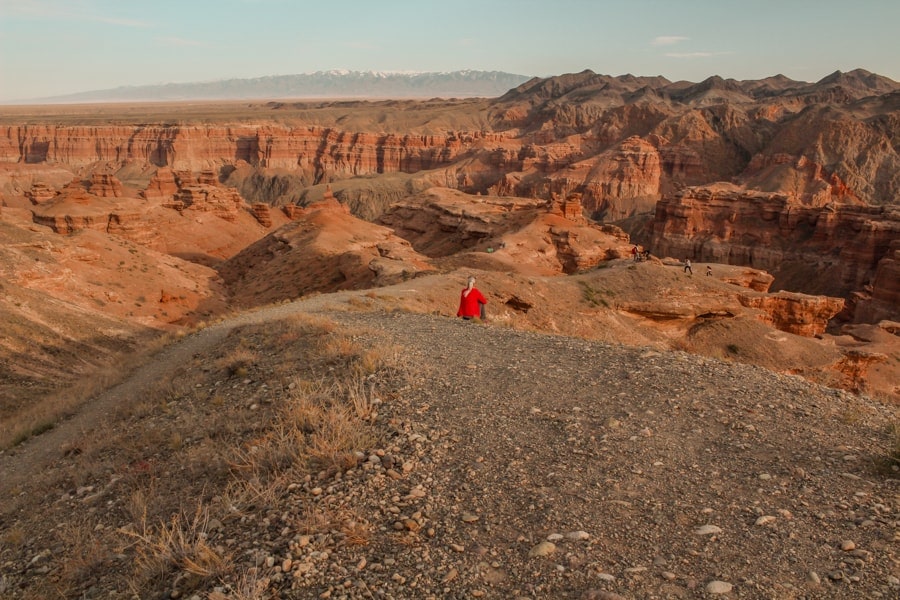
[
  {"x": 517, "y": 233},
  {"x": 40, "y": 193},
  {"x": 831, "y": 249},
  {"x": 74, "y": 209},
  {"x": 881, "y": 300},
  {"x": 162, "y": 185},
  {"x": 105, "y": 185},
  {"x": 224, "y": 203},
  {"x": 262, "y": 213},
  {"x": 799, "y": 314},
  {"x": 324, "y": 248}
]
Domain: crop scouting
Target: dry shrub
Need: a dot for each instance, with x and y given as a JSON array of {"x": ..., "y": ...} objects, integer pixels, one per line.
[
  {"x": 357, "y": 530},
  {"x": 361, "y": 398},
  {"x": 13, "y": 537},
  {"x": 178, "y": 545},
  {"x": 250, "y": 587},
  {"x": 86, "y": 553},
  {"x": 237, "y": 363},
  {"x": 338, "y": 349},
  {"x": 339, "y": 435},
  {"x": 304, "y": 323}
]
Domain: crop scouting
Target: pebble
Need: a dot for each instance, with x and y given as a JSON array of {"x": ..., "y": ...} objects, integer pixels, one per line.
[
  {"x": 848, "y": 545},
  {"x": 765, "y": 520},
  {"x": 718, "y": 587},
  {"x": 578, "y": 536},
  {"x": 707, "y": 530},
  {"x": 542, "y": 549}
]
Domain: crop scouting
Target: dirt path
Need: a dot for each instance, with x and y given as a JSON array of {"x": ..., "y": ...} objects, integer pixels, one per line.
[{"x": 37, "y": 453}]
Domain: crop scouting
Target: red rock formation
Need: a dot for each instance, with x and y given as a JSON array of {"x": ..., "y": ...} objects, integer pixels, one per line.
[
  {"x": 105, "y": 185},
  {"x": 616, "y": 183},
  {"x": 263, "y": 214},
  {"x": 198, "y": 148},
  {"x": 832, "y": 249},
  {"x": 40, "y": 193},
  {"x": 756, "y": 280},
  {"x": 292, "y": 211},
  {"x": 799, "y": 314},
  {"x": 162, "y": 185},
  {"x": 881, "y": 300},
  {"x": 223, "y": 202},
  {"x": 519, "y": 234},
  {"x": 324, "y": 249},
  {"x": 570, "y": 208}
]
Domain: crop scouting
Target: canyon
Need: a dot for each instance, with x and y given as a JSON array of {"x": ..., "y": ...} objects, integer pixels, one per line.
[{"x": 787, "y": 190}]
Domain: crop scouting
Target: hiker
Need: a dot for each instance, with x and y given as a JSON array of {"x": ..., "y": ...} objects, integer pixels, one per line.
[
  {"x": 687, "y": 266},
  {"x": 708, "y": 271},
  {"x": 471, "y": 302},
  {"x": 634, "y": 253}
]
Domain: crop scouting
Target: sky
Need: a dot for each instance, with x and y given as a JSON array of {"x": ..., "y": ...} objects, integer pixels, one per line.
[{"x": 57, "y": 47}]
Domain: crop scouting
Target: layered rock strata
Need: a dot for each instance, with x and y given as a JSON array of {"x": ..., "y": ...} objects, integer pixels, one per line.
[{"x": 832, "y": 249}]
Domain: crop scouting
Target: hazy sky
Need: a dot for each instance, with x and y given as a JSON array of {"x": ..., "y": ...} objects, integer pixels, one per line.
[{"x": 54, "y": 47}]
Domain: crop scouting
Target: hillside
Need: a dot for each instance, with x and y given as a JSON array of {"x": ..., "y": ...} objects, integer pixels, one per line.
[{"x": 339, "y": 447}]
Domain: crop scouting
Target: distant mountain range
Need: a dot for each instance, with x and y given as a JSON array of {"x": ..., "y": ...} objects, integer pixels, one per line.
[{"x": 321, "y": 84}]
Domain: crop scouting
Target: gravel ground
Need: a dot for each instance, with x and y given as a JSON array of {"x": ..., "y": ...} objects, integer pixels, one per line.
[{"x": 522, "y": 465}]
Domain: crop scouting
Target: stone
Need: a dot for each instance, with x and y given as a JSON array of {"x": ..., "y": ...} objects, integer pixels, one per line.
[
  {"x": 707, "y": 530},
  {"x": 718, "y": 587},
  {"x": 542, "y": 549}
]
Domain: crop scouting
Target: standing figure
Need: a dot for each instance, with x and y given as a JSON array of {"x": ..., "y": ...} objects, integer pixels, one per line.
[
  {"x": 708, "y": 270},
  {"x": 471, "y": 302},
  {"x": 687, "y": 266}
]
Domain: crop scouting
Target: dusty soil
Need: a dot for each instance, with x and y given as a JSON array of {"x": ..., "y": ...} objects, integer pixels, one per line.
[{"x": 506, "y": 464}]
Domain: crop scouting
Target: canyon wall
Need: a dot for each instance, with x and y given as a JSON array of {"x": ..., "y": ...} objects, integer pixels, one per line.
[
  {"x": 315, "y": 150},
  {"x": 833, "y": 249}
]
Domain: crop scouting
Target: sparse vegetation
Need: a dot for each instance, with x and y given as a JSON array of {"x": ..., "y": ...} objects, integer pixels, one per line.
[
  {"x": 178, "y": 545},
  {"x": 593, "y": 296},
  {"x": 229, "y": 448}
]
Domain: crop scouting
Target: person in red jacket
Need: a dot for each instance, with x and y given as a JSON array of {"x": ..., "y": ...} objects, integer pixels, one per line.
[{"x": 471, "y": 302}]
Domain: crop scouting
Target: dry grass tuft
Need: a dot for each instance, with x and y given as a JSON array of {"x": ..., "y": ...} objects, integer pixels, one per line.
[
  {"x": 237, "y": 363},
  {"x": 356, "y": 529},
  {"x": 179, "y": 545},
  {"x": 250, "y": 586}
]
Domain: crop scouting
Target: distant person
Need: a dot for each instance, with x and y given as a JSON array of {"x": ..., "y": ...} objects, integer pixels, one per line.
[
  {"x": 471, "y": 302},
  {"x": 687, "y": 266},
  {"x": 646, "y": 255},
  {"x": 634, "y": 253},
  {"x": 708, "y": 271}
]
